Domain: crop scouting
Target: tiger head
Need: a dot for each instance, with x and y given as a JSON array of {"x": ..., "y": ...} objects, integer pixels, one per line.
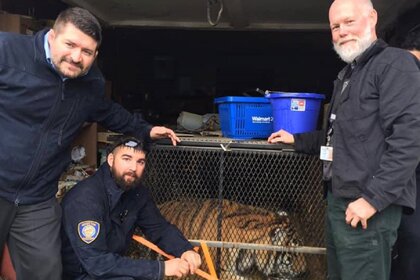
[
  {"x": 282, "y": 265},
  {"x": 245, "y": 224}
]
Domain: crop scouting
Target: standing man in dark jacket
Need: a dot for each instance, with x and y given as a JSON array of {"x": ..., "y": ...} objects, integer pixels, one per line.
[
  {"x": 406, "y": 259},
  {"x": 99, "y": 218},
  {"x": 371, "y": 147},
  {"x": 49, "y": 86}
]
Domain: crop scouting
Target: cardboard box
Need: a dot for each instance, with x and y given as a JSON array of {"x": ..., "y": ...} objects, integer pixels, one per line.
[
  {"x": 88, "y": 138},
  {"x": 22, "y": 24},
  {"x": 107, "y": 137}
]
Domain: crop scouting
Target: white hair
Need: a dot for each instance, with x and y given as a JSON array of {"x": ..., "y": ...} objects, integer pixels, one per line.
[{"x": 368, "y": 7}]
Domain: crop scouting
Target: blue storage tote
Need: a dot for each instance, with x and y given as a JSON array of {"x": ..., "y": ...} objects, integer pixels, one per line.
[
  {"x": 295, "y": 112},
  {"x": 245, "y": 117}
]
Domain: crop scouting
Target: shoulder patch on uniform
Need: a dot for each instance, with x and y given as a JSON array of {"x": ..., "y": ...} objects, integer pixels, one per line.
[{"x": 88, "y": 231}]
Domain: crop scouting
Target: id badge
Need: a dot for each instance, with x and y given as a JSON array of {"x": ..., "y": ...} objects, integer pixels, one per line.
[{"x": 326, "y": 153}]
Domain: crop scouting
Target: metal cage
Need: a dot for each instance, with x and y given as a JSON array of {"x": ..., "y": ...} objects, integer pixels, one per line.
[{"x": 259, "y": 206}]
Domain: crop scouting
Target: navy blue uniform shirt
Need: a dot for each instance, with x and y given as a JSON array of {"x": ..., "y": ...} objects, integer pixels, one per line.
[{"x": 99, "y": 219}]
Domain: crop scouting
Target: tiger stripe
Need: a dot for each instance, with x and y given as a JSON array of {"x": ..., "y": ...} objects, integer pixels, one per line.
[{"x": 240, "y": 223}]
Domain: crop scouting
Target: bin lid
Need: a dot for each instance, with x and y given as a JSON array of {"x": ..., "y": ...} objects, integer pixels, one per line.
[
  {"x": 278, "y": 94},
  {"x": 241, "y": 99}
]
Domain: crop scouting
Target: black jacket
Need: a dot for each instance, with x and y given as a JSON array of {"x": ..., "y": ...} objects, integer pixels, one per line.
[
  {"x": 40, "y": 115},
  {"x": 377, "y": 129},
  {"x": 98, "y": 199}
]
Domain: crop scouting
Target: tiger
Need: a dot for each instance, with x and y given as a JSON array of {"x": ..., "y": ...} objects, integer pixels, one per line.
[{"x": 241, "y": 223}]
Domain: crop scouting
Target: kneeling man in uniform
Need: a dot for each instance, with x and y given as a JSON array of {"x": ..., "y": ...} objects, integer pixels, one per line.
[{"x": 99, "y": 218}]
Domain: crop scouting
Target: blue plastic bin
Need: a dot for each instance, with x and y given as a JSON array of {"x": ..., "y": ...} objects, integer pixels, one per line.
[
  {"x": 295, "y": 112},
  {"x": 245, "y": 117}
]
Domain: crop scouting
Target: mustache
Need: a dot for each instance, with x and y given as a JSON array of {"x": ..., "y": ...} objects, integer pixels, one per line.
[
  {"x": 70, "y": 61},
  {"x": 347, "y": 39},
  {"x": 132, "y": 174}
]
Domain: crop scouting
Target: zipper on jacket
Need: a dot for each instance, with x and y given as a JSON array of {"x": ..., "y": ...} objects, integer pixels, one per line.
[
  {"x": 63, "y": 85},
  {"x": 41, "y": 146},
  {"x": 73, "y": 107}
]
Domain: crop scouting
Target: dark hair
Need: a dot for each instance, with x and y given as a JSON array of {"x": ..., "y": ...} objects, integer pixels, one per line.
[
  {"x": 128, "y": 141},
  {"x": 412, "y": 40},
  {"x": 83, "y": 20}
]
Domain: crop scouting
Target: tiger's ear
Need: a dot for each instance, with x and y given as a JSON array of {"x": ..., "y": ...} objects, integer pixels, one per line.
[
  {"x": 283, "y": 217},
  {"x": 282, "y": 213}
]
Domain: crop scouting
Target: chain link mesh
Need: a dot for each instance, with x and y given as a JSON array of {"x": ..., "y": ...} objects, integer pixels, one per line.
[{"x": 247, "y": 193}]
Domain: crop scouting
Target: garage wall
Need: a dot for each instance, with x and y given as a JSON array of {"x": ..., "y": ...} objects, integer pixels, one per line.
[{"x": 162, "y": 72}]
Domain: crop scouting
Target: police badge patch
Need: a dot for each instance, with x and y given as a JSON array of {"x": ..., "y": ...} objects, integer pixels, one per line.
[{"x": 88, "y": 231}]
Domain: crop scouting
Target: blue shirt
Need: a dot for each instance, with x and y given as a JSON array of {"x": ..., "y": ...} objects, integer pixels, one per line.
[{"x": 48, "y": 55}]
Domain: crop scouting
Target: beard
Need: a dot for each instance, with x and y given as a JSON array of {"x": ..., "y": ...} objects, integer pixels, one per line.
[
  {"x": 61, "y": 68},
  {"x": 126, "y": 180},
  {"x": 349, "y": 53}
]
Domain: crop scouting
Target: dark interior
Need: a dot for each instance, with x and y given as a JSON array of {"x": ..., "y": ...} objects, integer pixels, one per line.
[{"x": 161, "y": 72}]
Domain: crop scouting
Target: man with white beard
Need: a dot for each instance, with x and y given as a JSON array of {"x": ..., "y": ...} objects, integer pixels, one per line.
[{"x": 370, "y": 148}]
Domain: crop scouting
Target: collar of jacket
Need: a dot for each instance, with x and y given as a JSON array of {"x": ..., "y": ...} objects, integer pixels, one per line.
[
  {"x": 378, "y": 46},
  {"x": 40, "y": 57},
  {"x": 113, "y": 191}
]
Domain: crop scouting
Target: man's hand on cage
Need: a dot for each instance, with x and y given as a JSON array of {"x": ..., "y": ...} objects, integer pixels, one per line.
[
  {"x": 281, "y": 136},
  {"x": 158, "y": 132}
]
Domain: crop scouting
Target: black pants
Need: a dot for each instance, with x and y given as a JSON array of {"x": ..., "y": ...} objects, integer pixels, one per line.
[
  {"x": 34, "y": 239},
  {"x": 356, "y": 253}
]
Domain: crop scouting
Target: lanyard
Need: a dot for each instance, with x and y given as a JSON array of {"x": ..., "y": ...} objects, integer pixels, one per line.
[{"x": 336, "y": 104}]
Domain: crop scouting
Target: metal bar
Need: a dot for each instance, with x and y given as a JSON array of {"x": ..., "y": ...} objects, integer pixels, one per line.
[
  {"x": 250, "y": 246},
  {"x": 219, "y": 209}
]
